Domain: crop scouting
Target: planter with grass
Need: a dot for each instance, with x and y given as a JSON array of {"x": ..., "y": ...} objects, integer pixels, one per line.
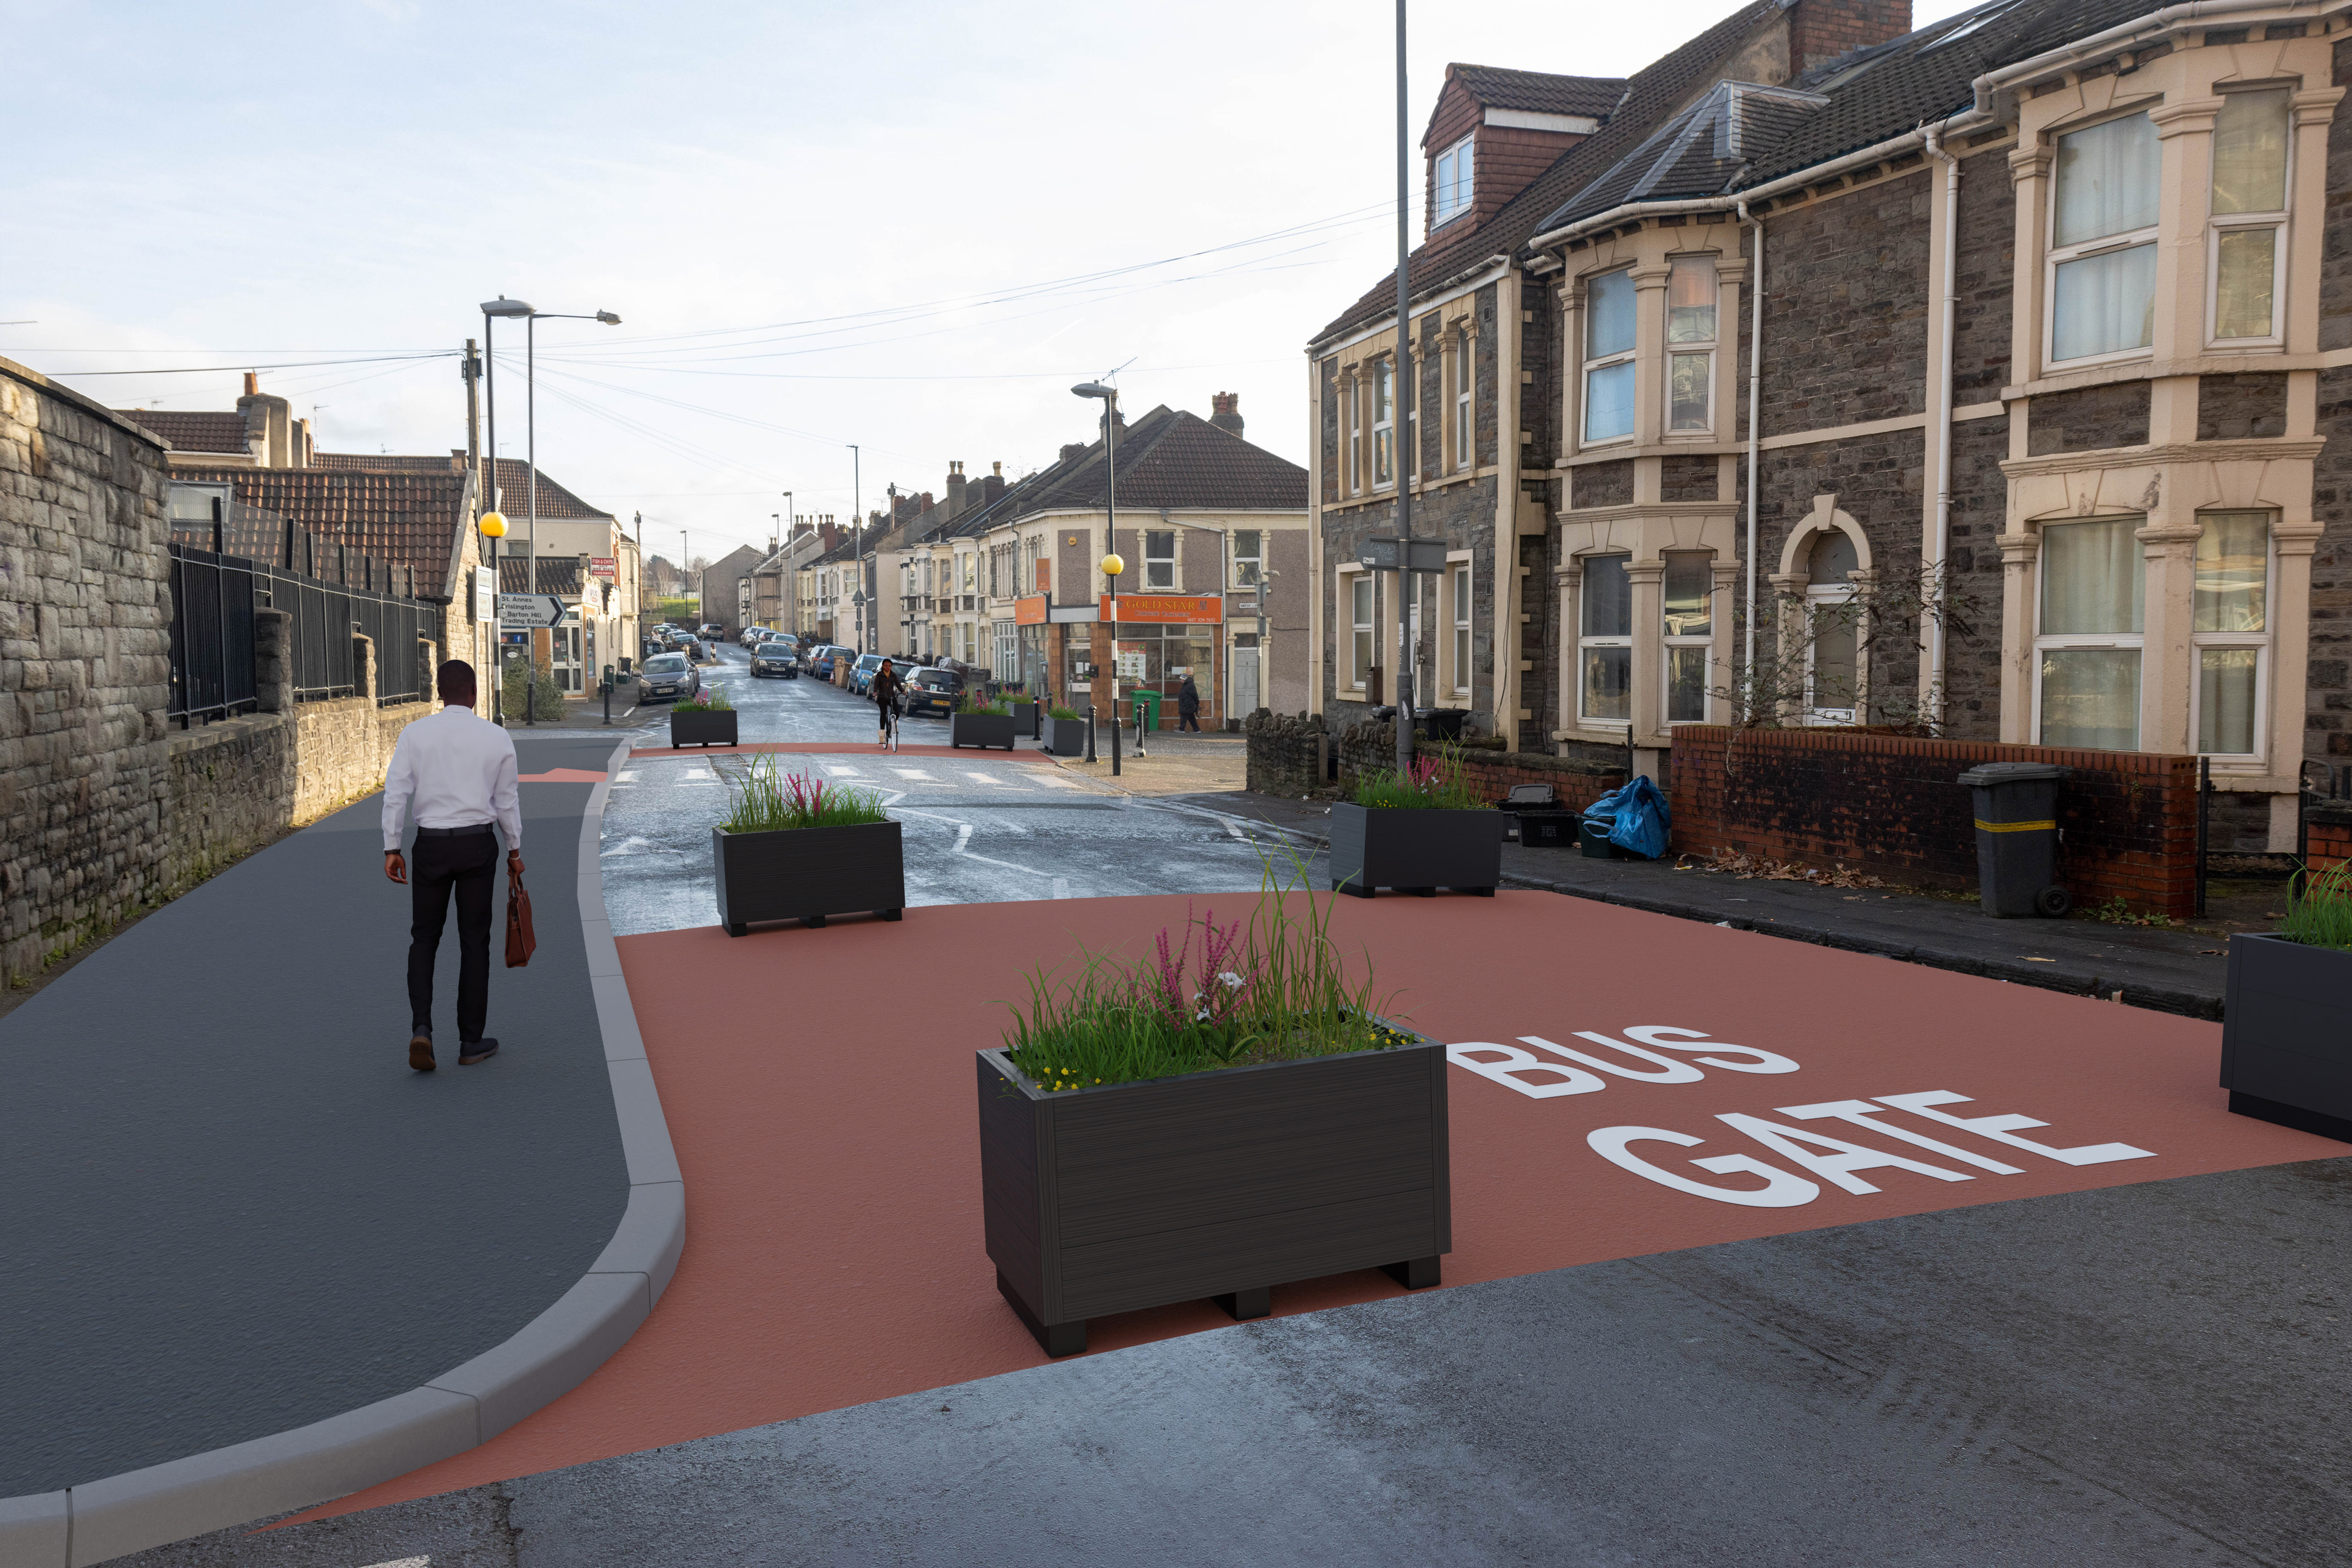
[
  {"x": 1416, "y": 832},
  {"x": 708, "y": 720},
  {"x": 2287, "y": 1030},
  {"x": 1024, "y": 719},
  {"x": 1148, "y": 1137},
  {"x": 1065, "y": 733},
  {"x": 795, "y": 847},
  {"x": 979, "y": 722}
]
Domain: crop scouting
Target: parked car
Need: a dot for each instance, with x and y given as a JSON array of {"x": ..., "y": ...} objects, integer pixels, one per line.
[
  {"x": 930, "y": 691},
  {"x": 695, "y": 652},
  {"x": 861, "y": 674},
  {"x": 710, "y": 631},
  {"x": 821, "y": 663},
  {"x": 772, "y": 657},
  {"x": 668, "y": 676}
]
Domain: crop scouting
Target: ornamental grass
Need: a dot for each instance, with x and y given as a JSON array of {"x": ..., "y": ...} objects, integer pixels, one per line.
[
  {"x": 1271, "y": 988},
  {"x": 710, "y": 699},
  {"x": 996, "y": 707},
  {"x": 1431, "y": 783},
  {"x": 2321, "y": 915},
  {"x": 767, "y": 800}
]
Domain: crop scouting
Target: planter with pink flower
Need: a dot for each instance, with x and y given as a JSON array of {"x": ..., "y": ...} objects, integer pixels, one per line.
[
  {"x": 1416, "y": 832},
  {"x": 1231, "y": 1115},
  {"x": 793, "y": 847}
]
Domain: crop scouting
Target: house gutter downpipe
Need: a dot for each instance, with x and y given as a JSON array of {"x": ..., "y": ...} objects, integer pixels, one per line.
[
  {"x": 1939, "y": 542},
  {"x": 1755, "y": 406}
]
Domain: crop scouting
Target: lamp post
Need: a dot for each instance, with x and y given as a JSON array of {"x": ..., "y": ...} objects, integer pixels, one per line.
[
  {"x": 857, "y": 523},
  {"x": 494, "y": 528},
  {"x": 502, "y": 305},
  {"x": 1112, "y": 566},
  {"x": 1409, "y": 435}
]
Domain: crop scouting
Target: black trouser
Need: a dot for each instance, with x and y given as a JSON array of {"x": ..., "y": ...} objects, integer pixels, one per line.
[
  {"x": 466, "y": 864},
  {"x": 1186, "y": 718}
]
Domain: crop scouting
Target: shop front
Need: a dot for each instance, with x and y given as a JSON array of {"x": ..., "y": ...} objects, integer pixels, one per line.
[{"x": 1159, "y": 640}]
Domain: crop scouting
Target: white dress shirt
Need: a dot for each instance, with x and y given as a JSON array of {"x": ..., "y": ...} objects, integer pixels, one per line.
[{"x": 457, "y": 769}]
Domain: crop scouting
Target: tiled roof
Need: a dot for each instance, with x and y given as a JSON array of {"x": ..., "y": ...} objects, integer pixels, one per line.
[
  {"x": 558, "y": 574},
  {"x": 514, "y": 481},
  {"x": 1741, "y": 136},
  {"x": 1167, "y": 458},
  {"x": 1652, "y": 94},
  {"x": 407, "y": 519},
  {"x": 192, "y": 431},
  {"x": 1541, "y": 92}
]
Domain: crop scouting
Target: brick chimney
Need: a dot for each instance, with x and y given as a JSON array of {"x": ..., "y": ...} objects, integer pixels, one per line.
[
  {"x": 268, "y": 426},
  {"x": 955, "y": 489},
  {"x": 1821, "y": 30},
  {"x": 1224, "y": 411},
  {"x": 1073, "y": 449}
]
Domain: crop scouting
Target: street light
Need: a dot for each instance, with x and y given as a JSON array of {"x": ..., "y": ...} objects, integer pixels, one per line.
[
  {"x": 1111, "y": 564},
  {"x": 492, "y": 309},
  {"x": 494, "y": 528}
]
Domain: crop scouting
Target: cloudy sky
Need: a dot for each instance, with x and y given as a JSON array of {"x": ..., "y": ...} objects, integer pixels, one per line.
[{"x": 906, "y": 226}]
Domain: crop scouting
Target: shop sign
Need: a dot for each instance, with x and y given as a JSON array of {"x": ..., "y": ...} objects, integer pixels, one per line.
[
  {"x": 1165, "y": 609},
  {"x": 1030, "y": 612},
  {"x": 601, "y": 566}
]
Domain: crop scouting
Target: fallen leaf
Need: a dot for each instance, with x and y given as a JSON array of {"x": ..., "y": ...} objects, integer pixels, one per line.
[{"x": 2041, "y": 960}]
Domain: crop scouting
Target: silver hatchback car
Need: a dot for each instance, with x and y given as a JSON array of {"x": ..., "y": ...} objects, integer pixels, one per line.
[{"x": 668, "y": 675}]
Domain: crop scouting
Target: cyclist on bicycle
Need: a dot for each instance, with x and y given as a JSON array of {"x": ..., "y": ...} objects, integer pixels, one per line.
[{"x": 885, "y": 686}]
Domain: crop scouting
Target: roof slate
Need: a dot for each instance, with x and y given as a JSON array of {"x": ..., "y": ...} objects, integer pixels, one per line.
[
  {"x": 1541, "y": 92},
  {"x": 410, "y": 520},
  {"x": 1169, "y": 458},
  {"x": 513, "y": 475},
  {"x": 191, "y": 431}
]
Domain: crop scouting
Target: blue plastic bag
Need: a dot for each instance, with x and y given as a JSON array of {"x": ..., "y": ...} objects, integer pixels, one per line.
[{"x": 1638, "y": 816}]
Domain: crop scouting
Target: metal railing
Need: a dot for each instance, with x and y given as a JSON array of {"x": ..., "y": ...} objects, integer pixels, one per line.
[
  {"x": 212, "y": 636},
  {"x": 322, "y": 618}
]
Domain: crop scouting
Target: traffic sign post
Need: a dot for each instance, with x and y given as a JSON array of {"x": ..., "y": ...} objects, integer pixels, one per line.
[{"x": 524, "y": 611}]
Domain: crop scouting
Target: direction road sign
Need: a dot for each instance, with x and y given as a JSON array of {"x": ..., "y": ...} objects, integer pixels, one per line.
[{"x": 518, "y": 611}]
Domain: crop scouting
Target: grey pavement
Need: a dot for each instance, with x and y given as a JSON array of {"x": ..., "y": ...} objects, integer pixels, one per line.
[
  {"x": 2136, "y": 1376},
  {"x": 982, "y": 827},
  {"x": 231, "y": 1210}
]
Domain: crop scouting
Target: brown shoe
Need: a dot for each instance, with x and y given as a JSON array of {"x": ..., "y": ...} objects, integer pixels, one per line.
[
  {"x": 420, "y": 1053},
  {"x": 479, "y": 1050}
]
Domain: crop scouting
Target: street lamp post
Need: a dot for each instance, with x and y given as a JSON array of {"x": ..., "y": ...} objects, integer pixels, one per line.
[
  {"x": 1112, "y": 566},
  {"x": 531, "y": 320},
  {"x": 1408, "y": 441},
  {"x": 858, "y": 524}
]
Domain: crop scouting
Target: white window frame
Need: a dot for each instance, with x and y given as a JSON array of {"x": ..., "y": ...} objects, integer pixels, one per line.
[
  {"x": 1363, "y": 627},
  {"x": 1673, "y": 351},
  {"x": 2136, "y": 640},
  {"x": 1352, "y": 395},
  {"x": 1603, "y": 639},
  {"x": 1454, "y": 182},
  {"x": 2280, "y": 225},
  {"x": 1385, "y": 444},
  {"x": 2261, "y": 642},
  {"x": 1461, "y": 604},
  {"x": 1586, "y": 441},
  {"x": 1670, "y": 642},
  {"x": 1818, "y": 596},
  {"x": 1160, "y": 565},
  {"x": 1465, "y": 407},
  {"x": 1247, "y": 568},
  {"x": 2056, "y": 256}
]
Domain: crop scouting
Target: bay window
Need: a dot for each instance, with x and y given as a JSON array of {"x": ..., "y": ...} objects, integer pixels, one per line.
[
  {"x": 1160, "y": 557},
  {"x": 2103, "y": 240},
  {"x": 2230, "y": 630},
  {"x": 1689, "y": 589},
  {"x": 2088, "y": 638},
  {"x": 1360, "y": 657},
  {"x": 1383, "y": 423},
  {"x": 1459, "y": 602},
  {"x": 1465, "y": 378},
  {"x": 1691, "y": 297},
  {"x": 1609, "y": 357},
  {"x": 2249, "y": 204},
  {"x": 1606, "y": 644},
  {"x": 1352, "y": 397}
]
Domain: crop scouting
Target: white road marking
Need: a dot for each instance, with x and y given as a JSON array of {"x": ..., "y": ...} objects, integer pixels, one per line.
[
  {"x": 1235, "y": 830},
  {"x": 914, "y": 773},
  {"x": 625, "y": 776},
  {"x": 1058, "y": 781},
  {"x": 963, "y": 837},
  {"x": 1061, "y": 887},
  {"x": 841, "y": 770},
  {"x": 988, "y": 779}
]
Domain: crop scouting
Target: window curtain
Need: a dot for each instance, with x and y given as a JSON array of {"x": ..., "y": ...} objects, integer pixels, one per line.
[
  {"x": 2232, "y": 571},
  {"x": 2225, "y": 699},
  {"x": 2250, "y": 153},
  {"x": 2090, "y": 697},
  {"x": 2107, "y": 179},
  {"x": 2107, "y": 304},
  {"x": 2091, "y": 578},
  {"x": 1689, "y": 587}
]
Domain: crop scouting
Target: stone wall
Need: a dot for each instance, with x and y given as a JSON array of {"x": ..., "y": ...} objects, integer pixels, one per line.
[
  {"x": 1370, "y": 747},
  {"x": 1845, "y": 322},
  {"x": 1285, "y": 752},
  {"x": 1891, "y": 805},
  {"x": 85, "y": 628}
]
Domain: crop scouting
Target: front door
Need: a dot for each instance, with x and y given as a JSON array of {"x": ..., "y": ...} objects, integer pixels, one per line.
[{"x": 1245, "y": 694}]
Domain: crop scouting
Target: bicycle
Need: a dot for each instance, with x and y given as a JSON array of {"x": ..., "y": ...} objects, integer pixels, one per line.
[{"x": 889, "y": 727}]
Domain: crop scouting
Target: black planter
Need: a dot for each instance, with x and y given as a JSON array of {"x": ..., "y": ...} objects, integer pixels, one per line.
[
  {"x": 981, "y": 729},
  {"x": 1216, "y": 1184},
  {"x": 2287, "y": 1034},
  {"x": 1065, "y": 736},
  {"x": 808, "y": 873},
  {"x": 1415, "y": 850},
  {"x": 700, "y": 728},
  {"x": 1024, "y": 720}
]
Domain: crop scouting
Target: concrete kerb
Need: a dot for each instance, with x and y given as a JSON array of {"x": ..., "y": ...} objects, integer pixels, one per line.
[
  {"x": 2156, "y": 998},
  {"x": 460, "y": 1409}
]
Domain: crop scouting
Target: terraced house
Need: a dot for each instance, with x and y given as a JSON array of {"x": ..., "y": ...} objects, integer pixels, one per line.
[{"x": 2036, "y": 435}]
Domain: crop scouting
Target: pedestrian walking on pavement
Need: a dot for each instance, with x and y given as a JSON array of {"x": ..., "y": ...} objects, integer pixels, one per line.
[
  {"x": 885, "y": 689},
  {"x": 1187, "y": 706},
  {"x": 455, "y": 772}
]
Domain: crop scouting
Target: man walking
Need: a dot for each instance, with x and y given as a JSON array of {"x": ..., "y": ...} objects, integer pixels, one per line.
[
  {"x": 1187, "y": 706},
  {"x": 457, "y": 771}
]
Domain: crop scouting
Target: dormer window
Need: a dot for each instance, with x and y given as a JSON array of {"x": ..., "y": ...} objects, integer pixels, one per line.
[{"x": 1451, "y": 198}]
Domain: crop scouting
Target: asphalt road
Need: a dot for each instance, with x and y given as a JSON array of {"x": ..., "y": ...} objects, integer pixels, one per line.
[{"x": 984, "y": 827}]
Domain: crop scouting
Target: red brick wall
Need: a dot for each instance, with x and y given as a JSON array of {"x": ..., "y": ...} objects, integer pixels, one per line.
[
  {"x": 2329, "y": 836},
  {"x": 1820, "y": 30},
  {"x": 1891, "y": 806}
]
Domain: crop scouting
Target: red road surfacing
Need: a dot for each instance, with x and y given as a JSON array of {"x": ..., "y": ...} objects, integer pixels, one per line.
[
  {"x": 818, "y": 1086},
  {"x": 826, "y": 748}
]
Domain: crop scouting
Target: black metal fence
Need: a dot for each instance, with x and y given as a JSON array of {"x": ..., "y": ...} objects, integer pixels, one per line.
[
  {"x": 212, "y": 636},
  {"x": 213, "y": 597}
]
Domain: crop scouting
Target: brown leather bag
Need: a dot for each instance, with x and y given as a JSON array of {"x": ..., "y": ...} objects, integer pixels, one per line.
[{"x": 521, "y": 942}]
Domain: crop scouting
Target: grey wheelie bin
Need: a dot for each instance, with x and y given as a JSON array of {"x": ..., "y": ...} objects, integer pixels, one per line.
[{"x": 2017, "y": 836}]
